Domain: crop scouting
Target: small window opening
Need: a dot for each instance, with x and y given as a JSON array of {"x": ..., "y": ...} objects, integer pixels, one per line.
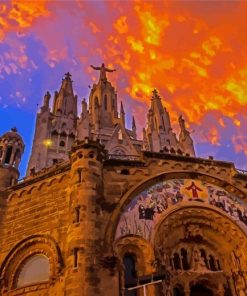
[
  {"x": 212, "y": 263},
  {"x": 55, "y": 160},
  {"x": 176, "y": 261},
  {"x": 185, "y": 260},
  {"x": 79, "y": 174},
  {"x": 91, "y": 155},
  {"x": 125, "y": 172},
  {"x": 172, "y": 150},
  {"x": 1, "y": 152},
  {"x": 204, "y": 256},
  {"x": 62, "y": 144},
  {"x": 75, "y": 251},
  {"x": 8, "y": 155},
  {"x": 77, "y": 215},
  {"x": 105, "y": 102},
  {"x": 129, "y": 262}
]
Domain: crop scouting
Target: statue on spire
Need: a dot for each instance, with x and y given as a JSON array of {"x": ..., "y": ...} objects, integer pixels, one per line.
[
  {"x": 182, "y": 124},
  {"x": 103, "y": 71}
]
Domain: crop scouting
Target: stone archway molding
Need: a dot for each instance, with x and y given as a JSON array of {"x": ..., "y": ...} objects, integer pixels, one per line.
[
  {"x": 32, "y": 245},
  {"x": 146, "y": 183}
]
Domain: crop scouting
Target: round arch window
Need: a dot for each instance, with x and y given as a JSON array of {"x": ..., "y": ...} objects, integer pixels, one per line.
[{"x": 36, "y": 269}]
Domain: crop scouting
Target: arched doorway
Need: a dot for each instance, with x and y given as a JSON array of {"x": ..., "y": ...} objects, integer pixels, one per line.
[
  {"x": 189, "y": 232},
  {"x": 200, "y": 290}
]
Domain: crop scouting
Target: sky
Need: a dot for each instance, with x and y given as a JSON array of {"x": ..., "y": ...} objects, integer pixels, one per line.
[{"x": 193, "y": 52}]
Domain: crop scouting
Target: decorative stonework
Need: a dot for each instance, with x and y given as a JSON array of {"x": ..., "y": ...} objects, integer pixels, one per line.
[{"x": 148, "y": 207}]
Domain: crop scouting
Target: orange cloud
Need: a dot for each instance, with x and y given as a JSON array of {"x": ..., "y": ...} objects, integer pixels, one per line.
[
  {"x": 18, "y": 15},
  {"x": 189, "y": 51}
]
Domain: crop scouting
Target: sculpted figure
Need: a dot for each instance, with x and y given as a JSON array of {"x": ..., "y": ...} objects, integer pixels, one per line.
[
  {"x": 103, "y": 71},
  {"x": 198, "y": 262}
]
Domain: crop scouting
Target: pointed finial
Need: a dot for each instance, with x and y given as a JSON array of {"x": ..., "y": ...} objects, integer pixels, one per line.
[
  {"x": 14, "y": 129},
  {"x": 122, "y": 108},
  {"x": 155, "y": 94},
  {"x": 133, "y": 123}
]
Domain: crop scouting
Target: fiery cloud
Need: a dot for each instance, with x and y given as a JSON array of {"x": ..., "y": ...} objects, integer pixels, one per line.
[
  {"x": 189, "y": 51},
  {"x": 19, "y": 15}
]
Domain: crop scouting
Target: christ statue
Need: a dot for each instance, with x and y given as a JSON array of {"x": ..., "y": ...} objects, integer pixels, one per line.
[{"x": 103, "y": 71}]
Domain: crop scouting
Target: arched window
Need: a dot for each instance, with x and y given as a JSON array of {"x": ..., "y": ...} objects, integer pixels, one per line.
[
  {"x": 62, "y": 144},
  {"x": 119, "y": 152},
  {"x": 185, "y": 259},
  {"x": 176, "y": 261},
  {"x": 8, "y": 155},
  {"x": 129, "y": 272},
  {"x": 1, "y": 151},
  {"x": 36, "y": 269},
  {"x": 105, "y": 102},
  {"x": 212, "y": 263},
  {"x": 96, "y": 102},
  {"x": 204, "y": 256}
]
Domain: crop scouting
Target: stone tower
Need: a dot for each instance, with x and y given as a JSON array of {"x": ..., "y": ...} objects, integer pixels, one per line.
[
  {"x": 55, "y": 129},
  {"x": 11, "y": 150},
  {"x": 85, "y": 232}
]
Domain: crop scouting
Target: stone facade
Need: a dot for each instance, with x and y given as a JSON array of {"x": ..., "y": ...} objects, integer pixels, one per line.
[{"x": 117, "y": 212}]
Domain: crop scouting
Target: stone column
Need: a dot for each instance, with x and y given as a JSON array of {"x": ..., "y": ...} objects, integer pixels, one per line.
[
  {"x": 12, "y": 156},
  {"x": 187, "y": 290}
]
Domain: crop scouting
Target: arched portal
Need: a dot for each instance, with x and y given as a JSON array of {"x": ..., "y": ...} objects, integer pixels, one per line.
[{"x": 197, "y": 231}]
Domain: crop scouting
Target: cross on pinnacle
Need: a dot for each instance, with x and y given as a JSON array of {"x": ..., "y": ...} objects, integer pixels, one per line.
[{"x": 67, "y": 75}]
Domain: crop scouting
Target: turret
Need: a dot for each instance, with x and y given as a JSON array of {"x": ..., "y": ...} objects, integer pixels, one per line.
[
  {"x": 85, "y": 232},
  {"x": 11, "y": 150},
  {"x": 83, "y": 123}
]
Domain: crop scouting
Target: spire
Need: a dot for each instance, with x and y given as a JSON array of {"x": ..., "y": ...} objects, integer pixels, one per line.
[
  {"x": 133, "y": 124},
  {"x": 122, "y": 113},
  {"x": 46, "y": 100},
  {"x": 182, "y": 125},
  {"x": 185, "y": 140},
  {"x": 65, "y": 101},
  {"x": 84, "y": 107},
  {"x": 134, "y": 127},
  {"x": 122, "y": 109}
]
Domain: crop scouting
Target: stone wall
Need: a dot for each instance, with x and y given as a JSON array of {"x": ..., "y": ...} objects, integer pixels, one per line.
[{"x": 41, "y": 214}]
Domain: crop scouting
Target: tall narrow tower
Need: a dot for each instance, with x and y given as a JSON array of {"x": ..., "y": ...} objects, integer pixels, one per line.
[
  {"x": 103, "y": 102},
  {"x": 11, "y": 150},
  {"x": 55, "y": 130}
]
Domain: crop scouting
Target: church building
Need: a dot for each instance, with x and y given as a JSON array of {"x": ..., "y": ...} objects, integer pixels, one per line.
[{"x": 102, "y": 212}]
